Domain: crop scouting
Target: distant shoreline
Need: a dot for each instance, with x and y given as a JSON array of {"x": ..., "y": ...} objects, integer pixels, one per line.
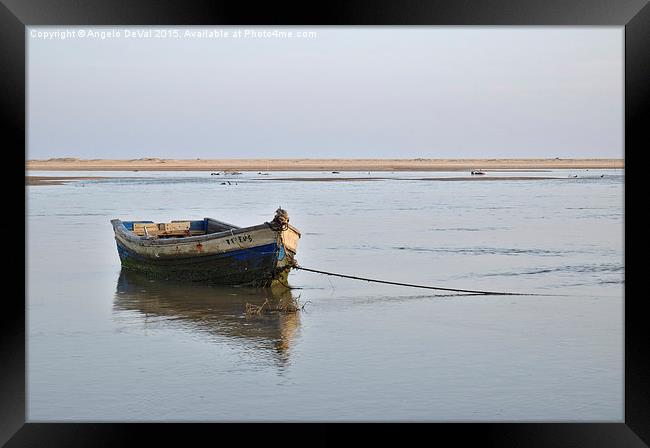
[{"x": 157, "y": 164}]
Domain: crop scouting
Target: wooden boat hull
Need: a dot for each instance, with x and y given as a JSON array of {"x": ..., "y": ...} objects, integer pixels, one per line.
[{"x": 254, "y": 256}]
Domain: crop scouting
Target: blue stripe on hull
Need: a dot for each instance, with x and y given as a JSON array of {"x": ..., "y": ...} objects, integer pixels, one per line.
[
  {"x": 241, "y": 255},
  {"x": 244, "y": 266}
]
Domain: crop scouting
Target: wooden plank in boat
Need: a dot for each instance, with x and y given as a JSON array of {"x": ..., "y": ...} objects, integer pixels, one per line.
[
  {"x": 177, "y": 226},
  {"x": 174, "y": 233},
  {"x": 170, "y": 229},
  {"x": 151, "y": 229}
]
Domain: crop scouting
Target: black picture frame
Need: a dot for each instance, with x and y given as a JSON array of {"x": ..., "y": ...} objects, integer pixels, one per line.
[{"x": 15, "y": 15}]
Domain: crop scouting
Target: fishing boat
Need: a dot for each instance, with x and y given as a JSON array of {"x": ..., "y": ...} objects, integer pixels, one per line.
[{"x": 209, "y": 250}]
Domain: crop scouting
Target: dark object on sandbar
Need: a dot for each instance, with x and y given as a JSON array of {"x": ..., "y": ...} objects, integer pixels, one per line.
[
  {"x": 477, "y": 172},
  {"x": 209, "y": 251},
  {"x": 335, "y": 172}
]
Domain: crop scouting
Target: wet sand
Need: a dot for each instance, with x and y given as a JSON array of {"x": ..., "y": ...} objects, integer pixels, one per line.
[
  {"x": 55, "y": 180},
  {"x": 158, "y": 164}
]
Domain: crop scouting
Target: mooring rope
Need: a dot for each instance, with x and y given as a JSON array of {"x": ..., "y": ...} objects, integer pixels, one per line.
[{"x": 472, "y": 291}]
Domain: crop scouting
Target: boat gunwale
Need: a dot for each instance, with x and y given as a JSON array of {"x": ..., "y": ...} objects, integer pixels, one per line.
[
  {"x": 119, "y": 227},
  {"x": 294, "y": 229}
]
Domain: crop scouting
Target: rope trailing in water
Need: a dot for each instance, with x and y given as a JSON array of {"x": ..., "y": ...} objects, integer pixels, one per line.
[{"x": 471, "y": 291}]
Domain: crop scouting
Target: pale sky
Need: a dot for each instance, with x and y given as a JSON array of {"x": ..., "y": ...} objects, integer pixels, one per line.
[{"x": 355, "y": 92}]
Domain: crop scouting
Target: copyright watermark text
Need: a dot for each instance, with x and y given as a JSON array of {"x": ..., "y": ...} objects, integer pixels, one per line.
[{"x": 169, "y": 33}]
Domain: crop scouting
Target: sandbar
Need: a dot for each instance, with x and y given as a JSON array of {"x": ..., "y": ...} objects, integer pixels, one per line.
[{"x": 419, "y": 164}]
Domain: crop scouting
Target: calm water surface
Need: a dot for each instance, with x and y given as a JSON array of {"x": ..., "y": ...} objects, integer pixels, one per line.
[{"x": 106, "y": 345}]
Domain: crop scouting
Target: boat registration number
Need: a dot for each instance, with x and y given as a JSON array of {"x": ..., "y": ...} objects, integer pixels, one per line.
[{"x": 239, "y": 239}]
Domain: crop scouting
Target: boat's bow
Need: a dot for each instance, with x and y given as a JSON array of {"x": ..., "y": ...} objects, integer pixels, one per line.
[{"x": 287, "y": 238}]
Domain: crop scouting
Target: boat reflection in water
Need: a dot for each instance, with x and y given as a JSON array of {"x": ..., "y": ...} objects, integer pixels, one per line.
[{"x": 213, "y": 311}]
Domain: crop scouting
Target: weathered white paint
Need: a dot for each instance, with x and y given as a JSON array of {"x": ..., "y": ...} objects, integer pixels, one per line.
[
  {"x": 290, "y": 238},
  {"x": 227, "y": 243}
]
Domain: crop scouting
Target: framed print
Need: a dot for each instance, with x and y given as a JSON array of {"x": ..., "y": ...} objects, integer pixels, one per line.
[{"x": 411, "y": 218}]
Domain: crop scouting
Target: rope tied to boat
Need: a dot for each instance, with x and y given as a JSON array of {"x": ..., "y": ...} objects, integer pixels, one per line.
[
  {"x": 470, "y": 291},
  {"x": 280, "y": 221}
]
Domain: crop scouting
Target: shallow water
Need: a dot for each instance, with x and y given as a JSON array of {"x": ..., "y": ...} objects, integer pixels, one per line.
[{"x": 109, "y": 346}]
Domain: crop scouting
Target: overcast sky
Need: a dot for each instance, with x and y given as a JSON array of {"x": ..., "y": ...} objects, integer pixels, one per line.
[{"x": 347, "y": 92}]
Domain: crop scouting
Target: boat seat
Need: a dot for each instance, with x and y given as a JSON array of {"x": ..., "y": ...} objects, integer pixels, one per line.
[
  {"x": 178, "y": 228},
  {"x": 143, "y": 229},
  {"x": 168, "y": 229}
]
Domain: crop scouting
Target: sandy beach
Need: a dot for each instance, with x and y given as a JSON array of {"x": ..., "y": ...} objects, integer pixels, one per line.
[{"x": 157, "y": 164}]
